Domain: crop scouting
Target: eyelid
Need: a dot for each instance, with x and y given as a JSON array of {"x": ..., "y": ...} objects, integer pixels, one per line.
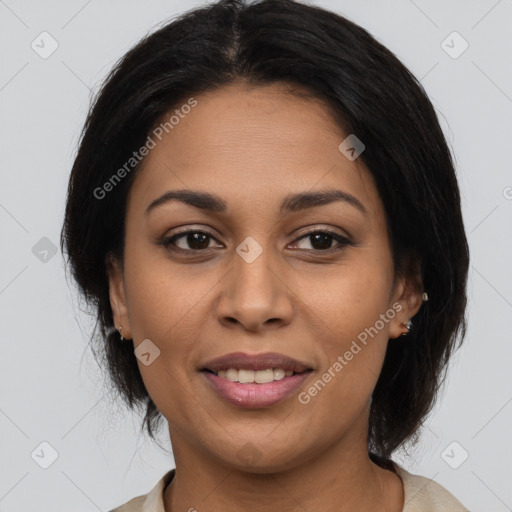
[
  {"x": 342, "y": 239},
  {"x": 167, "y": 240},
  {"x": 323, "y": 228}
]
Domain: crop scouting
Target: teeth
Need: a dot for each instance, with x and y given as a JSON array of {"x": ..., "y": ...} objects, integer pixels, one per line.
[{"x": 249, "y": 376}]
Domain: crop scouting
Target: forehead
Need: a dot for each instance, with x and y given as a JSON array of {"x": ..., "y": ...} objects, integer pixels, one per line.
[{"x": 251, "y": 144}]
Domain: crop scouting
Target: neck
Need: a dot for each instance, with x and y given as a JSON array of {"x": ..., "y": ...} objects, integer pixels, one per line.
[{"x": 340, "y": 479}]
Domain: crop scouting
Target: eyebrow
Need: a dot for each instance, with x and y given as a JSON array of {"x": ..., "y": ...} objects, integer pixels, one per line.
[{"x": 291, "y": 203}]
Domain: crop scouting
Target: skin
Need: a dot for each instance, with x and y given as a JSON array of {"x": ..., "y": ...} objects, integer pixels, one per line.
[{"x": 252, "y": 147}]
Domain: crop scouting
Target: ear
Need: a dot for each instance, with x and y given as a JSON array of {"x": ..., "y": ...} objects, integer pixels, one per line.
[
  {"x": 117, "y": 295},
  {"x": 407, "y": 294}
]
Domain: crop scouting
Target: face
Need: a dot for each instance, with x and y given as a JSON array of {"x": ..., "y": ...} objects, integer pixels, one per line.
[{"x": 306, "y": 281}]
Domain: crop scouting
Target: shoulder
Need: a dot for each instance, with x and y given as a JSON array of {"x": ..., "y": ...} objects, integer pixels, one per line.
[
  {"x": 420, "y": 495},
  {"x": 424, "y": 495},
  {"x": 153, "y": 501}
]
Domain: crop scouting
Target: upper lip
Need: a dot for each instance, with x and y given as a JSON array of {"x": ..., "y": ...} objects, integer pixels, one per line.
[{"x": 242, "y": 360}]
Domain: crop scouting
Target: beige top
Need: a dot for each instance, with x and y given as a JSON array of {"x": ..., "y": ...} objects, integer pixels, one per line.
[{"x": 421, "y": 495}]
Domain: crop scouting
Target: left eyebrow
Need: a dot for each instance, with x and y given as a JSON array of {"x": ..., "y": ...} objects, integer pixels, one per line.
[
  {"x": 302, "y": 201},
  {"x": 291, "y": 203}
]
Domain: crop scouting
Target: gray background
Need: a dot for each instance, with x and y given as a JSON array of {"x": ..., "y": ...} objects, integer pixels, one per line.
[{"x": 50, "y": 388}]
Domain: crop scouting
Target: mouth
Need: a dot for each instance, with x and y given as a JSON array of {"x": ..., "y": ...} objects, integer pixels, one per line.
[
  {"x": 253, "y": 381},
  {"x": 248, "y": 376},
  {"x": 247, "y": 390},
  {"x": 255, "y": 368}
]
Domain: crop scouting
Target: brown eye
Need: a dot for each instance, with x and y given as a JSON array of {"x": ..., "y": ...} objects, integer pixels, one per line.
[
  {"x": 198, "y": 240},
  {"x": 322, "y": 240},
  {"x": 194, "y": 240}
]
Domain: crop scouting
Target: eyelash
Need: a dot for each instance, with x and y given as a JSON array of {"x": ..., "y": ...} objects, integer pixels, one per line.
[{"x": 343, "y": 241}]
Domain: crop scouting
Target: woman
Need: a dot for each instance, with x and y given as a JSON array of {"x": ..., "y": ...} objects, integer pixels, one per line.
[{"x": 265, "y": 214}]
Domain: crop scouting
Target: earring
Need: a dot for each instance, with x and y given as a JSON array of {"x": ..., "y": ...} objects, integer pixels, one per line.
[
  {"x": 424, "y": 297},
  {"x": 119, "y": 329},
  {"x": 408, "y": 326}
]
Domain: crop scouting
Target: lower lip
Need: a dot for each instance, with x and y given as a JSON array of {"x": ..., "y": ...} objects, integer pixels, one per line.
[{"x": 252, "y": 396}]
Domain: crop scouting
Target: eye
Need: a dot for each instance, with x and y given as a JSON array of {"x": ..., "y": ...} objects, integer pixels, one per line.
[
  {"x": 198, "y": 240},
  {"x": 321, "y": 240}
]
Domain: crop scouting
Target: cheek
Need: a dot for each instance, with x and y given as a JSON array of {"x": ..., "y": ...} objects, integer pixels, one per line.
[
  {"x": 163, "y": 297},
  {"x": 169, "y": 305},
  {"x": 352, "y": 333},
  {"x": 353, "y": 341},
  {"x": 350, "y": 299}
]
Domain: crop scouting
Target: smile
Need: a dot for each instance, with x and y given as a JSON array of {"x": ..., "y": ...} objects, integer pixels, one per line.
[
  {"x": 244, "y": 376},
  {"x": 248, "y": 393}
]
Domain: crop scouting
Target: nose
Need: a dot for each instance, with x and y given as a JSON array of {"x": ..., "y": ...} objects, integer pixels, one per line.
[{"x": 254, "y": 294}]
